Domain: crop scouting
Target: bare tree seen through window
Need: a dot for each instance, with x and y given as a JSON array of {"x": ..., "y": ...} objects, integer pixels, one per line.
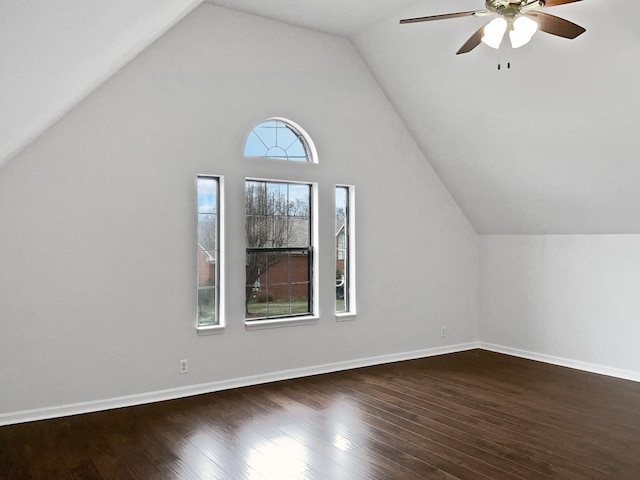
[{"x": 277, "y": 231}]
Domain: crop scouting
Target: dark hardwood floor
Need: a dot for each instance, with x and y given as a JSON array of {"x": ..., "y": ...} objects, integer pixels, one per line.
[{"x": 471, "y": 415}]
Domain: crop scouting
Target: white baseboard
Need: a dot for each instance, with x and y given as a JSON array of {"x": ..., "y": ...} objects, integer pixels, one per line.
[
  {"x": 563, "y": 362},
  {"x": 174, "y": 393}
]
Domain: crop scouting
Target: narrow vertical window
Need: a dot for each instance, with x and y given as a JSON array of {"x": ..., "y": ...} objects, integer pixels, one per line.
[
  {"x": 208, "y": 252},
  {"x": 345, "y": 265}
]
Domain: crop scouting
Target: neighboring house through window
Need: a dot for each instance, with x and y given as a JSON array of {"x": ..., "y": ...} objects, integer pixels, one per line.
[
  {"x": 344, "y": 248},
  {"x": 279, "y": 263},
  {"x": 280, "y": 230},
  {"x": 281, "y": 238},
  {"x": 209, "y": 257}
]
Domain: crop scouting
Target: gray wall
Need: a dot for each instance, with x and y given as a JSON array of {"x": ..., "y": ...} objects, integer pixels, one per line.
[
  {"x": 97, "y": 257},
  {"x": 566, "y": 299}
]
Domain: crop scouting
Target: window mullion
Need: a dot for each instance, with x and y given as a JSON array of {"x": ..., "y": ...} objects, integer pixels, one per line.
[{"x": 278, "y": 292}]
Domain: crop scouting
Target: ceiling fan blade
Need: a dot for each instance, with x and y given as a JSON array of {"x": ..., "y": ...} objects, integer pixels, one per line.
[
  {"x": 440, "y": 17},
  {"x": 556, "y": 25},
  {"x": 553, "y": 3},
  {"x": 473, "y": 42}
]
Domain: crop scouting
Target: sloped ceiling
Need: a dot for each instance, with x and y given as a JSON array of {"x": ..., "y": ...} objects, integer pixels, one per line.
[
  {"x": 548, "y": 146},
  {"x": 54, "y": 53}
]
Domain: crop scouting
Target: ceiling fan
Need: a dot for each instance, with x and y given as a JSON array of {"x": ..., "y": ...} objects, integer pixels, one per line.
[{"x": 521, "y": 18}]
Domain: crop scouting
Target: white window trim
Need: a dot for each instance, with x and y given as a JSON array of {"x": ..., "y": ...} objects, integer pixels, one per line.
[
  {"x": 306, "y": 319},
  {"x": 220, "y": 310},
  {"x": 351, "y": 312},
  {"x": 312, "y": 151},
  {"x": 280, "y": 322}
]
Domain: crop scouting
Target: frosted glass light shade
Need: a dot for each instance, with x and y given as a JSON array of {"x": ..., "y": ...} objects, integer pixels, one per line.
[
  {"x": 494, "y": 32},
  {"x": 522, "y": 31}
]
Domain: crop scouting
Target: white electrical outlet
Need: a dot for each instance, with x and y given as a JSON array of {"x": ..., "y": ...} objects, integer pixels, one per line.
[
  {"x": 184, "y": 366},
  {"x": 443, "y": 331}
]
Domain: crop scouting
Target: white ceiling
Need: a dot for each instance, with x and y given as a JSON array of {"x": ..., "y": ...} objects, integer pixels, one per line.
[
  {"x": 548, "y": 146},
  {"x": 54, "y": 53}
]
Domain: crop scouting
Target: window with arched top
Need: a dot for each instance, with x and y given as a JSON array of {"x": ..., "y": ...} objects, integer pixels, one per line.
[{"x": 280, "y": 139}]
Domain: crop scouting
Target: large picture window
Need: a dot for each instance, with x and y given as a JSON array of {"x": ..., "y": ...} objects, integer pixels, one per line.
[{"x": 279, "y": 250}]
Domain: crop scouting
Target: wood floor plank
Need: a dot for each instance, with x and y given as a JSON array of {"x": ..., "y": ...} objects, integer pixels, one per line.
[
  {"x": 433, "y": 441},
  {"x": 473, "y": 415},
  {"x": 455, "y": 437},
  {"x": 472, "y": 425},
  {"x": 563, "y": 422}
]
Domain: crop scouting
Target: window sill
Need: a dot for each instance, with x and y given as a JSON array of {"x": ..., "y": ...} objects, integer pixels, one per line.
[
  {"x": 210, "y": 330},
  {"x": 280, "y": 322},
  {"x": 346, "y": 317}
]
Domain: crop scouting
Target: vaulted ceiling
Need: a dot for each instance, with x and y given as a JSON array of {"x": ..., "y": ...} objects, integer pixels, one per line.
[
  {"x": 54, "y": 53},
  {"x": 548, "y": 146}
]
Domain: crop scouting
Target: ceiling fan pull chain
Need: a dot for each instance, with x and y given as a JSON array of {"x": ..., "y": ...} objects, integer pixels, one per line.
[{"x": 508, "y": 53}]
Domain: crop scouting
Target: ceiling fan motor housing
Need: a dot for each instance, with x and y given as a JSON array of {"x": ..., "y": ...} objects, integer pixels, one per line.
[{"x": 509, "y": 9}]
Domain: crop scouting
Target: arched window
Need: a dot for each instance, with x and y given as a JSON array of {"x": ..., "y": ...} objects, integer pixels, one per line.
[{"x": 280, "y": 139}]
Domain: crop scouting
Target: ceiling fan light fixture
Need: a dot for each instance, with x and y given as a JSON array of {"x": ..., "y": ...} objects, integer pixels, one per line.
[
  {"x": 494, "y": 32},
  {"x": 521, "y": 18},
  {"x": 522, "y": 30}
]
